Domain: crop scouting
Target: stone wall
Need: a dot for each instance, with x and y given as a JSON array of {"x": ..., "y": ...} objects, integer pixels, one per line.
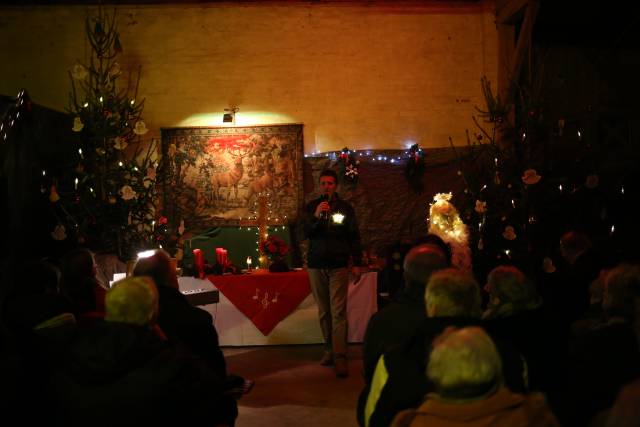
[{"x": 388, "y": 211}]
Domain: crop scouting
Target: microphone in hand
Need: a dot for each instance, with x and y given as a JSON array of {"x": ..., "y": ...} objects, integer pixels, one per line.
[{"x": 324, "y": 214}]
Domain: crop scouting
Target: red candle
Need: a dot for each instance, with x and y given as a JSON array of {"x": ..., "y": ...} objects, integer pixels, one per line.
[{"x": 198, "y": 261}]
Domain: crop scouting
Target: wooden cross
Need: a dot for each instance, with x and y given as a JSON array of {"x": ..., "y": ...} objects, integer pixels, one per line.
[{"x": 261, "y": 222}]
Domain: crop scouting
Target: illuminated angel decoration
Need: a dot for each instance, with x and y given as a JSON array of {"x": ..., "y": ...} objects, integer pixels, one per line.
[{"x": 444, "y": 221}]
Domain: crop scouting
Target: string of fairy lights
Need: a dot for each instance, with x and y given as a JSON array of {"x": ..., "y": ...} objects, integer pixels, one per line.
[
  {"x": 273, "y": 222},
  {"x": 371, "y": 155}
]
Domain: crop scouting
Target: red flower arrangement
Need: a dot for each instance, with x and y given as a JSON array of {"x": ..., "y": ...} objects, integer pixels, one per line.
[{"x": 274, "y": 247}]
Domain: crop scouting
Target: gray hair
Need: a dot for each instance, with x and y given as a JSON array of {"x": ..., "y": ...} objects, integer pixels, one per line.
[
  {"x": 452, "y": 292},
  {"x": 464, "y": 364},
  {"x": 133, "y": 300}
]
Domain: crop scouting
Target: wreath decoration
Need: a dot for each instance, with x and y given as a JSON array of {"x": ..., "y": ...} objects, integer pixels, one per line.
[{"x": 349, "y": 165}]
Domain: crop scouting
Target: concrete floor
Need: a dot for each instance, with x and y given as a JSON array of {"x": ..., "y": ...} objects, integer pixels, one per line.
[{"x": 292, "y": 389}]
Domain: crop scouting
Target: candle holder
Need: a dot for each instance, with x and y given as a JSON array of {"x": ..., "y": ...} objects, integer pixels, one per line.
[
  {"x": 264, "y": 262},
  {"x": 249, "y": 262}
]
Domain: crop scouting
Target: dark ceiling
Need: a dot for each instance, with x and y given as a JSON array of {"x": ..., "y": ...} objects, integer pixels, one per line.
[{"x": 590, "y": 23}]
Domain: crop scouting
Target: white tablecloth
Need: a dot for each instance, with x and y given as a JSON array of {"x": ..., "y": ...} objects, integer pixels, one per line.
[{"x": 300, "y": 327}]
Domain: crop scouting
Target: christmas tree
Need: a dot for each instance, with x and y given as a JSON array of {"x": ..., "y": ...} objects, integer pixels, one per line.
[
  {"x": 511, "y": 183},
  {"x": 105, "y": 197},
  {"x": 530, "y": 176}
]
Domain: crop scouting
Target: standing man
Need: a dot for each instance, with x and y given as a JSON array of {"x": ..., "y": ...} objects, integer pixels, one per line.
[{"x": 334, "y": 241}]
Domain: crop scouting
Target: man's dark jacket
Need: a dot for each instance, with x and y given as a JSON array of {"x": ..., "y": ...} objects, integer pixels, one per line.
[{"x": 331, "y": 245}]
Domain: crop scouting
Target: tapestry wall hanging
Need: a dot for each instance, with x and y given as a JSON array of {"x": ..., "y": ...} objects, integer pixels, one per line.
[{"x": 228, "y": 176}]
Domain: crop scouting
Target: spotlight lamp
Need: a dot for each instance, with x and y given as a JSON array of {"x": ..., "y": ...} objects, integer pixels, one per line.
[{"x": 229, "y": 115}]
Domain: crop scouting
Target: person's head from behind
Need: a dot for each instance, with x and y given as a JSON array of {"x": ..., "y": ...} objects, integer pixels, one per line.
[
  {"x": 158, "y": 267},
  {"x": 421, "y": 262},
  {"x": 34, "y": 277},
  {"x": 452, "y": 293},
  {"x": 464, "y": 365},
  {"x": 434, "y": 239},
  {"x": 621, "y": 296},
  {"x": 78, "y": 279},
  {"x": 133, "y": 300},
  {"x": 78, "y": 263},
  {"x": 509, "y": 288},
  {"x": 328, "y": 182},
  {"x": 573, "y": 244}
]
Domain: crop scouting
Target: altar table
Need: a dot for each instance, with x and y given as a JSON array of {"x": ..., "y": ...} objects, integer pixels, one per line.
[{"x": 301, "y": 326}]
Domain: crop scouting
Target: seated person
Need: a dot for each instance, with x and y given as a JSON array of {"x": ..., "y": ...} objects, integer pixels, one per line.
[
  {"x": 515, "y": 315},
  {"x": 605, "y": 358},
  {"x": 38, "y": 324},
  {"x": 122, "y": 371},
  {"x": 78, "y": 283},
  {"x": 452, "y": 298},
  {"x": 183, "y": 323},
  {"x": 468, "y": 389},
  {"x": 399, "y": 320},
  {"x": 510, "y": 293}
]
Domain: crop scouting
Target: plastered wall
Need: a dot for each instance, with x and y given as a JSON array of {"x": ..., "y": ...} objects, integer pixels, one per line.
[{"x": 359, "y": 74}]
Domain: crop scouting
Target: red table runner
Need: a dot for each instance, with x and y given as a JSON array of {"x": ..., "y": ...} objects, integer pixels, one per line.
[{"x": 265, "y": 298}]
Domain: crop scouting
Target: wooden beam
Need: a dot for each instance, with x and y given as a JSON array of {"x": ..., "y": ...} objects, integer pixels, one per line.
[
  {"x": 523, "y": 44},
  {"x": 506, "y": 47},
  {"x": 508, "y": 11}
]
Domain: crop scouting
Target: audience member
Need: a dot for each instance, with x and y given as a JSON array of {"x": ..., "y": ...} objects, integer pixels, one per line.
[
  {"x": 434, "y": 239},
  {"x": 452, "y": 298},
  {"x": 515, "y": 316},
  {"x": 606, "y": 358},
  {"x": 39, "y": 325},
  {"x": 183, "y": 323},
  {"x": 39, "y": 319},
  {"x": 583, "y": 265},
  {"x": 398, "y": 321},
  {"x": 78, "y": 283},
  {"x": 123, "y": 372},
  {"x": 510, "y": 293},
  {"x": 468, "y": 389}
]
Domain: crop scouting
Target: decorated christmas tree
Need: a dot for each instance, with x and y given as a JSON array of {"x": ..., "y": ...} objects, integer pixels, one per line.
[
  {"x": 104, "y": 198},
  {"x": 529, "y": 176},
  {"x": 511, "y": 183}
]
